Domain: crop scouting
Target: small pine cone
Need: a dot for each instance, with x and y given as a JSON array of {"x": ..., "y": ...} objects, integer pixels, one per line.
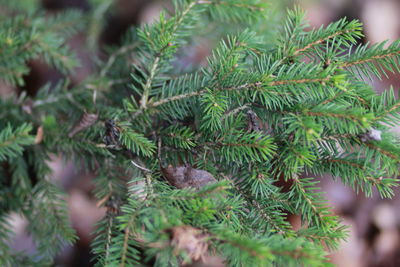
[{"x": 86, "y": 121}]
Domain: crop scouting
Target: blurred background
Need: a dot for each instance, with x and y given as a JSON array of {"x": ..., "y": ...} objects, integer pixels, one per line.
[{"x": 374, "y": 223}]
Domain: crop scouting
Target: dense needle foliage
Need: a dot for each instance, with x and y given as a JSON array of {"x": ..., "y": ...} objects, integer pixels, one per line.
[{"x": 269, "y": 105}]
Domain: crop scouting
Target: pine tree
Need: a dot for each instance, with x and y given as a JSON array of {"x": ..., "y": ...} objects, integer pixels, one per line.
[{"x": 187, "y": 162}]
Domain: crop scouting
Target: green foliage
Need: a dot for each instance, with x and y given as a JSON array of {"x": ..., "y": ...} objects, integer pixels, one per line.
[
  {"x": 50, "y": 235},
  {"x": 258, "y": 117},
  {"x": 12, "y": 141},
  {"x": 179, "y": 137},
  {"x": 375, "y": 60},
  {"x": 137, "y": 142},
  {"x": 28, "y": 36}
]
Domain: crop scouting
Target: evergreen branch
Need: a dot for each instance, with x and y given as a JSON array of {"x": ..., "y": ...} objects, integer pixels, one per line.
[
  {"x": 342, "y": 161},
  {"x": 36, "y": 38},
  {"x": 137, "y": 142},
  {"x": 329, "y": 238},
  {"x": 183, "y": 14},
  {"x": 310, "y": 203},
  {"x": 47, "y": 202},
  {"x": 179, "y": 137},
  {"x": 286, "y": 82},
  {"x": 68, "y": 21},
  {"x": 334, "y": 137},
  {"x": 388, "y": 111},
  {"x": 383, "y": 151},
  {"x": 12, "y": 141},
  {"x": 334, "y": 115},
  {"x": 374, "y": 60},
  {"x": 262, "y": 253},
  {"x": 252, "y": 203},
  {"x": 121, "y": 51},
  {"x": 58, "y": 57},
  {"x": 271, "y": 250},
  {"x": 125, "y": 247},
  {"x": 6, "y": 257},
  {"x": 356, "y": 174},
  {"x": 246, "y": 148},
  {"x": 294, "y": 26},
  {"x": 158, "y": 54},
  {"x": 240, "y": 5},
  {"x": 235, "y": 110},
  {"x": 303, "y": 91},
  {"x": 321, "y": 40},
  {"x": 148, "y": 85},
  {"x": 245, "y": 86},
  {"x": 249, "y": 11},
  {"x": 126, "y": 251},
  {"x": 107, "y": 241},
  {"x": 360, "y": 61},
  {"x": 279, "y": 229},
  {"x": 347, "y": 32}
]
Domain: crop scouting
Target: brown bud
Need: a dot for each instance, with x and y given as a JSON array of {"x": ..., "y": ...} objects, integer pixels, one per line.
[
  {"x": 113, "y": 205},
  {"x": 187, "y": 176},
  {"x": 39, "y": 135},
  {"x": 86, "y": 121},
  {"x": 254, "y": 123}
]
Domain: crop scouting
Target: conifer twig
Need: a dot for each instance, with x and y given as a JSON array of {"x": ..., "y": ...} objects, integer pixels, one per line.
[
  {"x": 347, "y": 64},
  {"x": 245, "y": 86},
  {"x": 140, "y": 167},
  {"x": 121, "y": 51},
  {"x": 320, "y": 41}
]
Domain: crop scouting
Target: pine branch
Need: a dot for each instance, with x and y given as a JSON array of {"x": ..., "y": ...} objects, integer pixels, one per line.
[
  {"x": 374, "y": 60},
  {"x": 148, "y": 85},
  {"x": 268, "y": 250},
  {"x": 12, "y": 142},
  {"x": 172, "y": 35},
  {"x": 36, "y": 38},
  {"x": 258, "y": 110},
  {"x": 238, "y": 4},
  {"x": 249, "y": 11},
  {"x": 348, "y": 32},
  {"x": 309, "y": 202},
  {"x": 113, "y": 57},
  {"x": 136, "y": 142},
  {"x": 246, "y": 86},
  {"x": 355, "y": 173},
  {"x": 102, "y": 242},
  {"x": 383, "y": 151},
  {"x": 50, "y": 237},
  {"x": 6, "y": 257},
  {"x": 277, "y": 225}
]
